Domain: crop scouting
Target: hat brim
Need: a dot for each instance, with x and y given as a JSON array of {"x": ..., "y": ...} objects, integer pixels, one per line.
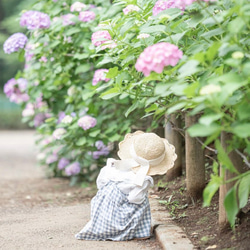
[{"x": 161, "y": 168}]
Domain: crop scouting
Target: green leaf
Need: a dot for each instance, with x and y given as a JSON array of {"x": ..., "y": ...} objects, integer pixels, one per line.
[
  {"x": 81, "y": 56},
  {"x": 94, "y": 133},
  {"x": 152, "y": 77},
  {"x": 189, "y": 68},
  {"x": 214, "y": 32},
  {"x": 54, "y": 43},
  {"x": 110, "y": 93},
  {"x": 231, "y": 206},
  {"x": 154, "y": 29},
  {"x": 244, "y": 190},
  {"x": 208, "y": 119},
  {"x": 132, "y": 108},
  {"x": 210, "y": 190},
  {"x": 243, "y": 111},
  {"x": 212, "y": 51},
  {"x": 223, "y": 157},
  {"x": 203, "y": 130},
  {"x": 72, "y": 31},
  {"x": 105, "y": 60},
  {"x": 82, "y": 68},
  {"x": 112, "y": 73},
  {"x": 175, "y": 107},
  {"x": 195, "y": 20},
  {"x": 236, "y": 25},
  {"x": 191, "y": 89},
  {"x": 51, "y": 119},
  {"x": 81, "y": 141},
  {"x": 153, "y": 107},
  {"x": 242, "y": 130},
  {"x": 21, "y": 55}
]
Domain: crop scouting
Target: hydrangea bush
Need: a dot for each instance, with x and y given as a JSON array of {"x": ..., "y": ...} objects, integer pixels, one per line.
[{"x": 93, "y": 68}]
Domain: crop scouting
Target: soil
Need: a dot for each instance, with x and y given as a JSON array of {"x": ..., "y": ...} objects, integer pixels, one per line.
[{"x": 201, "y": 223}]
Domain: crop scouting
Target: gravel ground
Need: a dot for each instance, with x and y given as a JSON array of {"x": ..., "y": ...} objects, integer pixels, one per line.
[{"x": 40, "y": 213}]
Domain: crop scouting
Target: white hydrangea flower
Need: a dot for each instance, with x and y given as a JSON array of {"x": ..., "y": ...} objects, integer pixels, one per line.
[
  {"x": 67, "y": 119},
  {"x": 71, "y": 91},
  {"x": 210, "y": 89},
  {"x": 58, "y": 133},
  {"x": 143, "y": 36}
]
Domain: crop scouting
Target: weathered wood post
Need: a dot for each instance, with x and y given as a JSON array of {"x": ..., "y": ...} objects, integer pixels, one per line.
[
  {"x": 239, "y": 165},
  {"x": 195, "y": 162},
  {"x": 175, "y": 138}
]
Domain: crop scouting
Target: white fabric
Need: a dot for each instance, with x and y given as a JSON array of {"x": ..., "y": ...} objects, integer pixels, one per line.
[
  {"x": 145, "y": 164},
  {"x": 126, "y": 179}
]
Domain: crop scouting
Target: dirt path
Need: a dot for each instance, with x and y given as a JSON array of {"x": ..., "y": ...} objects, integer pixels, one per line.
[{"x": 40, "y": 213}]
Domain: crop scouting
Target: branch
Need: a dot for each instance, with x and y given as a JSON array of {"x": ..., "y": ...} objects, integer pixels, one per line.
[{"x": 243, "y": 157}]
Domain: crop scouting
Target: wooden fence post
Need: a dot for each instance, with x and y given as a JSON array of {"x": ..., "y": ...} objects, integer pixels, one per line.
[
  {"x": 175, "y": 138},
  {"x": 195, "y": 162}
]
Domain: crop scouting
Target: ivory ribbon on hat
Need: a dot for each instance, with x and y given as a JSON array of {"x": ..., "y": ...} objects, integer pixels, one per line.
[
  {"x": 145, "y": 164},
  {"x": 128, "y": 164}
]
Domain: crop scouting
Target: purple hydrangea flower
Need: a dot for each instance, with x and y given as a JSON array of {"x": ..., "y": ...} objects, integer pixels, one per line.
[
  {"x": 100, "y": 75},
  {"x": 102, "y": 149},
  {"x": 33, "y": 19},
  {"x": 14, "y": 43},
  {"x": 86, "y": 16},
  {"x": 67, "y": 19},
  {"x": 63, "y": 163},
  {"x": 61, "y": 115},
  {"x": 87, "y": 122},
  {"x": 40, "y": 118},
  {"x": 73, "y": 169},
  {"x": 15, "y": 90},
  {"x": 51, "y": 158}
]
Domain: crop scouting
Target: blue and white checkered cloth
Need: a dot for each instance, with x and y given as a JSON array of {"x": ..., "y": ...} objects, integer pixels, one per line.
[{"x": 114, "y": 218}]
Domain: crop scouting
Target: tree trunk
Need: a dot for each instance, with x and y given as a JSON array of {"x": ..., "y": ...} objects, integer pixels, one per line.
[
  {"x": 195, "y": 162},
  {"x": 238, "y": 164},
  {"x": 175, "y": 138}
]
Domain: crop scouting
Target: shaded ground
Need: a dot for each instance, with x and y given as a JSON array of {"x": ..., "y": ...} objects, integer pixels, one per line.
[
  {"x": 201, "y": 224},
  {"x": 40, "y": 213}
]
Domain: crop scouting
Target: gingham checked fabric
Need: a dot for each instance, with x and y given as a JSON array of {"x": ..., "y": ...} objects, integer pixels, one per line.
[{"x": 114, "y": 218}]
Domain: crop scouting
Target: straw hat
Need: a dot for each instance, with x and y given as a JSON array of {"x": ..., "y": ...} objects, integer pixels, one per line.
[{"x": 148, "y": 147}]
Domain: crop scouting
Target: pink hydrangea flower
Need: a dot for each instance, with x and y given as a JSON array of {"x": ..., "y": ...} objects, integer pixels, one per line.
[
  {"x": 15, "y": 90},
  {"x": 162, "y": 5},
  {"x": 130, "y": 8},
  {"x": 109, "y": 45},
  {"x": 73, "y": 169},
  {"x": 43, "y": 59},
  {"x": 181, "y": 4},
  {"x": 14, "y": 43},
  {"x": 77, "y": 6},
  {"x": 100, "y": 75},
  {"x": 87, "y": 122},
  {"x": 29, "y": 110},
  {"x": 86, "y": 16},
  {"x": 100, "y": 37},
  {"x": 33, "y": 19},
  {"x": 156, "y": 57}
]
